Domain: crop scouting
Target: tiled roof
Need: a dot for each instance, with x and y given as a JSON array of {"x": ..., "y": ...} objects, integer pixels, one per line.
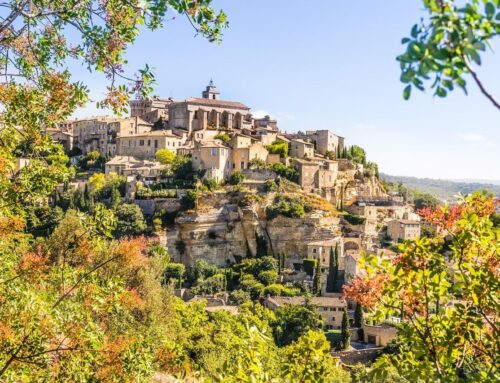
[
  {"x": 155, "y": 133},
  {"x": 216, "y": 103}
]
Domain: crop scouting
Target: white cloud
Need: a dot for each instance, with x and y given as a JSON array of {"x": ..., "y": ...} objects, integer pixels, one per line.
[
  {"x": 471, "y": 137},
  {"x": 259, "y": 113}
]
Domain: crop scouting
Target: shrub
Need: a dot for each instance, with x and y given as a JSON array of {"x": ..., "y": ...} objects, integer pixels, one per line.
[
  {"x": 236, "y": 177},
  {"x": 271, "y": 186},
  {"x": 210, "y": 184},
  {"x": 249, "y": 284},
  {"x": 174, "y": 273},
  {"x": 211, "y": 285},
  {"x": 268, "y": 277},
  {"x": 288, "y": 206},
  {"x": 238, "y": 297},
  {"x": 130, "y": 220},
  {"x": 223, "y": 137},
  {"x": 354, "y": 219},
  {"x": 278, "y": 147},
  {"x": 189, "y": 200}
]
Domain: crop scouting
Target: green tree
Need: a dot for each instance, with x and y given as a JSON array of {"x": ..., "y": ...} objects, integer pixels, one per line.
[
  {"x": 115, "y": 198},
  {"x": 444, "y": 47},
  {"x": 445, "y": 289},
  {"x": 309, "y": 360},
  {"x": 309, "y": 265},
  {"x": 165, "y": 157},
  {"x": 358, "y": 316},
  {"x": 345, "y": 329},
  {"x": 293, "y": 321},
  {"x": 333, "y": 270},
  {"x": 174, "y": 272},
  {"x": 236, "y": 177},
  {"x": 130, "y": 220},
  {"x": 317, "y": 280}
]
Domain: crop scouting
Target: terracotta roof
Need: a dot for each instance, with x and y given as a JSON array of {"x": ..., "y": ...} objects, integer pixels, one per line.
[
  {"x": 216, "y": 103},
  {"x": 155, "y": 133}
]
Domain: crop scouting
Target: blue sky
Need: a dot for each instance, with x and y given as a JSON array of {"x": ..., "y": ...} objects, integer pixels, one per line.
[{"x": 330, "y": 64}]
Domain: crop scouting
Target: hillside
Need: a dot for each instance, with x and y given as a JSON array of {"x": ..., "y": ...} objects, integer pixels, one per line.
[{"x": 442, "y": 189}]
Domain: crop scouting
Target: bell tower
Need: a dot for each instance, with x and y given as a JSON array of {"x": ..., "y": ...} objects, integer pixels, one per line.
[{"x": 211, "y": 92}]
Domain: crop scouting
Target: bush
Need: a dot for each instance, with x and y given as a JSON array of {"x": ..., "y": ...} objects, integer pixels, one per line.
[
  {"x": 236, "y": 177},
  {"x": 271, "y": 186},
  {"x": 174, "y": 273},
  {"x": 287, "y": 172},
  {"x": 189, "y": 200},
  {"x": 223, "y": 137},
  {"x": 309, "y": 265},
  {"x": 211, "y": 285},
  {"x": 278, "y": 147},
  {"x": 249, "y": 284},
  {"x": 130, "y": 220},
  {"x": 268, "y": 277},
  {"x": 354, "y": 219},
  {"x": 288, "y": 206},
  {"x": 238, "y": 297}
]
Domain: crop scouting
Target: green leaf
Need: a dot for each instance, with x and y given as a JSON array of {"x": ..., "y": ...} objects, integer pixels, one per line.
[
  {"x": 490, "y": 10},
  {"x": 407, "y": 92},
  {"x": 441, "y": 92}
]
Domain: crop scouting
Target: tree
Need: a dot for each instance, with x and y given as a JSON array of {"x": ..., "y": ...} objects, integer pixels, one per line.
[
  {"x": 261, "y": 245},
  {"x": 236, "y": 177},
  {"x": 445, "y": 289},
  {"x": 317, "y": 279},
  {"x": 174, "y": 272},
  {"x": 158, "y": 125},
  {"x": 293, "y": 321},
  {"x": 333, "y": 270},
  {"x": 130, "y": 220},
  {"x": 309, "y": 265},
  {"x": 115, "y": 198},
  {"x": 358, "y": 316},
  {"x": 309, "y": 360},
  {"x": 165, "y": 157},
  {"x": 346, "y": 333},
  {"x": 268, "y": 277},
  {"x": 444, "y": 47}
]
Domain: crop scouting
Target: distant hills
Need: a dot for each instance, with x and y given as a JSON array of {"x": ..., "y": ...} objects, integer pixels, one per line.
[{"x": 445, "y": 190}]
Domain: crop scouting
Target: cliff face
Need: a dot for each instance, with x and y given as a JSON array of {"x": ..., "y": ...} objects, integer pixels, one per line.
[{"x": 222, "y": 231}]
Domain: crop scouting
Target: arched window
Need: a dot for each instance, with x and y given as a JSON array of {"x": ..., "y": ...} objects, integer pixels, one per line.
[
  {"x": 224, "y": 119},
  {"x": 237, "y": 121},
  {"x": 212, "y": 118}
]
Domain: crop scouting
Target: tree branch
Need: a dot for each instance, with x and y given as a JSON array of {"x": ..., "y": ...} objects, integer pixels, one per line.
[{"x": 479, "y": 83}]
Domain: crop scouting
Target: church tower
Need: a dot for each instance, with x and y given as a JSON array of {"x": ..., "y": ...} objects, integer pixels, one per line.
[{"x": 211, "y": 92}]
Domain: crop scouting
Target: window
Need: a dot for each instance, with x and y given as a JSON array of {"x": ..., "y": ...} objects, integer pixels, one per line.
[
  {"x": 141, "y": 143},
  {"x": 314, "y": 251},
  {"x": 156, "y": 143},
  {"x": 243, "y": 164},
  {"x": 332, "y": 319},
  {"x": 213, "y": 151},
  {"x": 149, "y": 142},
  {"x": 195, "y": 115}
]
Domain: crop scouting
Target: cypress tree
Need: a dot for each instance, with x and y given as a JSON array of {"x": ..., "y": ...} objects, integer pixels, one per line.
[
  {"x": 330, "y": 279},
  {"x": 335, "y": 271},
  {"x": 358, "y": 316},
  {"x": 346, "y": 334},
  {"x": 317, "y": 279}
]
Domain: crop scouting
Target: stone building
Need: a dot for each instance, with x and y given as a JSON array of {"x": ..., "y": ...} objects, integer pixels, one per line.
[
  {"x": 400, "y": 229},
  {"x": 208, "y": 112},
  {"x": 214, "y": 158},
  {"x": 245, "y": 149},
  {"x": 316, "y": 173},
  {"x": 89, "y": 134},
  {"x": 145, "y": 145},
  {"x": 331, "y": 308},
  {"x": 145, "y": 170},
  {"x": 326, "y": 141},
  {"x": 150, "y": 110},
  {"x": 301, "y": 149}
]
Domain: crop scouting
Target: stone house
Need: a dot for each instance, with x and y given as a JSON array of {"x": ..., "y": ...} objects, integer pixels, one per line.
[
  {"x": 89, "y": 134},
  {"x": 209, "y": 111},
  {"x": 379, "y": 335},
  {"x": 245, "y": 149},
  {"x": 150, "y": 110},
  {"x": 331, "y": 308},
  {"x": 145, "y": 145},
  {"x": 213, "y": 157},
  {"x": 147, "y": 171},
  {"x": 316, "y": 173},
  {"x": 301, "y": 149},
  {"x": 401, "y": 229},
  {"x": 326, "y": 141}
]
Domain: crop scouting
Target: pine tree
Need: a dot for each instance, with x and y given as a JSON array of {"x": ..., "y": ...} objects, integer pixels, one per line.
[
  {"x": 358, "y": 316},
  {"x": 317, "y": 280},
  {"x": 346, "y": 334},
  {"x": 115, "y": 198}
]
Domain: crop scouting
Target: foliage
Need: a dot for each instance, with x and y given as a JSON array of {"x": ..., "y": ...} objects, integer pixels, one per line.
[
  {"x": 223, "y": 137},
  {"x": 200, "y": 271},
  {"x": 278, "y": 147},
  {"x": 333, "y": 270},
  {"x": 288, "y": 206},
  {"x": 212, "y": 285},
  {"x": 130, "y": 220},
  {"x": 174, "y": 273},
  {"x": 309, "y": 265},
  {"x": 165, "y": 157},
  {"x": 236, "y": 177},
  {"x": 210, "y": 184},
  {"x": 358, "y": 316},
  {"x": 249, "y": 284},
  {"x": 444, "y": 47},
  {"x": 356, "y": 154},
  {"x": 268, "y": 277},
  {"x": 345, "y": 329},
  {"x": 190, "y": 200},
  {"x": 354, "y": 219},
  {"x": 284, "y": 171},
  {"x": 293, "y": 321},
  {"x": 495, "y": 219},
  {"x": 271, "y": 186},
  {"x": 309, "y": 360},
  {"x": 148, "y": 193},
  {"x": 277, "y": 290},
  {"x": 446, "y": 291},
  {"x": 316, "y": 289},
  {"x": 238, "y": 297},
  {"x": 91, "y": 160},
  {"x": 261, "y": 245}
]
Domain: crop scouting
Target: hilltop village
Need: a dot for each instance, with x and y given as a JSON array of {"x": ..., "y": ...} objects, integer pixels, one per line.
[{"x": 224, "y": 190}]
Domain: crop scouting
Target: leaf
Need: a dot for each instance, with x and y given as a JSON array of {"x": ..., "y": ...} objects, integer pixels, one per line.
[
  {"x": 441, "y": 92},
  {"x": 405, "y": 40},
  {"x": 490, "y": 10},
  {"x": 472, "y": 53},
  {"x": 407, "y": 92}
]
